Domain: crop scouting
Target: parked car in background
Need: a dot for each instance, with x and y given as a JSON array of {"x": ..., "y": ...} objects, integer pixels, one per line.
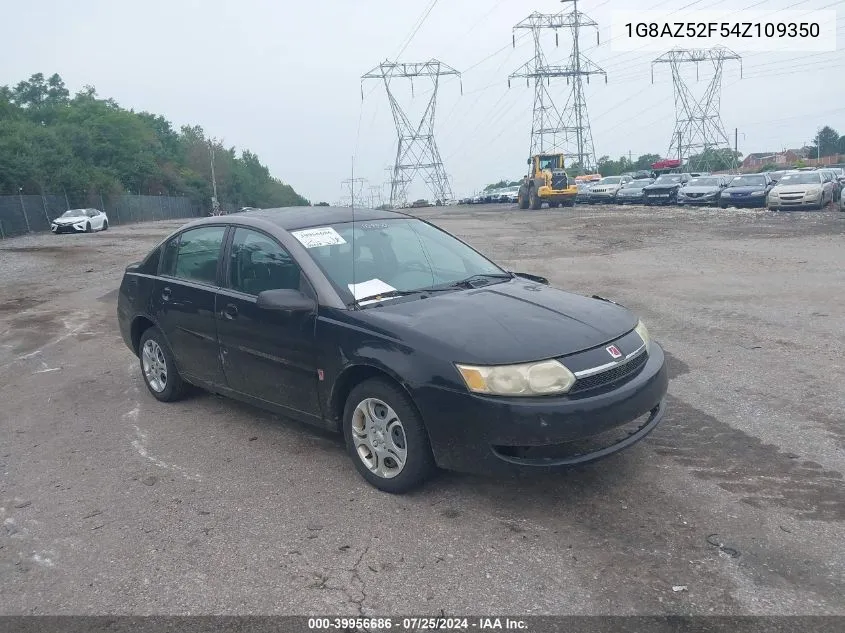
[
  {"x": 704, "y": 190},
  {"x": 831, "y": 177},
  {"x": 418, "y": 204},
  {"x": 664, "y": 190},
  {"x": 800, "y": 190},
  {"x": 418, "y": 361},
  {"x": 749, "y": 190},
  {"x": 583, "y": 195},
  {"x": 511, "y": 194},
  {"x": 80, "y": 221},
  {"x": 642, "y": 174},
  {"x": 632, "y": 192},
  {"x": 776, "y": 175},
  {"x": 604, "y": 191}
]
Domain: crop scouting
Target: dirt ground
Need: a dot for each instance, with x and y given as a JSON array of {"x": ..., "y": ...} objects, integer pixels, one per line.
[{"x": 111, "y": 502}]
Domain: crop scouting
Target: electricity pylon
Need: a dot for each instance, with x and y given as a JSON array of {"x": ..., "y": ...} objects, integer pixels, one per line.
[
  {"x": 416, "y": 151},
  {"x": 565, "y": 130},
  {"x": 699, "y": 130}
]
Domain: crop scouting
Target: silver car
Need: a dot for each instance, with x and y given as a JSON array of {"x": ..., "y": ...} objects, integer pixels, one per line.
[
  {"x": 801, "y": 190},
  {"x": 605, "y": 190}
]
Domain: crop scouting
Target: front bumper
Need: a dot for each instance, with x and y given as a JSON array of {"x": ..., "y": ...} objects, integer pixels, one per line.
[
  {"x": 663, "y": 197},
  {"x": 480, "y": 434},
  {"x": 743, "y": 201},
  {"x": 602, "y": 197},
  {"x": 67, "y": 228},
  {"x": 796, "y": 204},
  {"x": 702, "y": 201}
]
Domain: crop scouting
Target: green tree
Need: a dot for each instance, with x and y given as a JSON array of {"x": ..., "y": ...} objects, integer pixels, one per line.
[
  {"x": 710, "y": 159},
  {"x": 825, "y": 143},
  {"x": 52, "y": 142}
]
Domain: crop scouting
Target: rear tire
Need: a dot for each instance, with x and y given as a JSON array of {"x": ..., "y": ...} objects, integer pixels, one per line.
[
  {"x": 382, "y": 427},
  {"x": 158, "y": 367},
  {"x": 535, "y": 201}
]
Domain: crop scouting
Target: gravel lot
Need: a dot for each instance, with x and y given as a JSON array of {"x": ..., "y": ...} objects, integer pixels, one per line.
[{"x": 112, "y": 502}]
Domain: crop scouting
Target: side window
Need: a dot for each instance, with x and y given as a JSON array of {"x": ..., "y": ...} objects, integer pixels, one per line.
[
  {"x": 168, "y": 258},
  {"x": 198, "y": 254},
  {"x": 259, "y": 263}
]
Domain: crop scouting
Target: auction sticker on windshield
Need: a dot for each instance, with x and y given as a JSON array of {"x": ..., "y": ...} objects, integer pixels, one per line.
[{"x": 322, "y": 236}]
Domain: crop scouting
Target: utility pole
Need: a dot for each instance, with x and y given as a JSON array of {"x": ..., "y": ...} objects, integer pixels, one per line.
[
  {"x": 736, "y": 144},
  {"x": 553, "y": 130},
  {"x": 215, "y": 204},
  {"x": 416, "y": 150},
  {"x": 699, "y": 120}
]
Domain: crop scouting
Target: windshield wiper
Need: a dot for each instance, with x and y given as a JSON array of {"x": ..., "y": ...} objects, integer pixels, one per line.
[
  {"x": 469, "y": 282},
  {"x": 400, "y": 293}
]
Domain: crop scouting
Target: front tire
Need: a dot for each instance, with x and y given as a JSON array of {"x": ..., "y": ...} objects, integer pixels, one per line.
[
  {"x": 159, "y": 368},
  {"x": 386, "y": 438},
  {"x": 522, "y": 198},
  {"x": 88, "y": 227},
  {"x": 105, "y": 226},
  {"x": 535, "y": 201}
]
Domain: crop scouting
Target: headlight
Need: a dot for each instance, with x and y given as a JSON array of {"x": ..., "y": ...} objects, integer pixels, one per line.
[
  {"x": 758, "y": 192},
  {"x": 643, "y": 332},
  {"x": 528, "y": 379},
  {"x": 726, "y": 194},
  {"x": 774, "y": 193},
  {"x": 813, "y": 191}
]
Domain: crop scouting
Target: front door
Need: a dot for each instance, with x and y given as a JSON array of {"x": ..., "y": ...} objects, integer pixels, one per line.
[
  {"x": 183, "y": 301},
  {"x": 266, "y": 354}
]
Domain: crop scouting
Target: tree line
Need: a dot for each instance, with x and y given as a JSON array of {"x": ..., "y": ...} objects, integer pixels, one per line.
[{"x": 87, "y": 146}]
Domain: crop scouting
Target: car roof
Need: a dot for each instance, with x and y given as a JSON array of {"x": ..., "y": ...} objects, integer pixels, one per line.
[{"x": 293, "y": 218}]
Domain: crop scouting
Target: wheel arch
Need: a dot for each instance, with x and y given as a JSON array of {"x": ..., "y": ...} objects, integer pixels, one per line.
[
  {"x": 353, "y": 376},
  {"x": 140, "y": 324}
]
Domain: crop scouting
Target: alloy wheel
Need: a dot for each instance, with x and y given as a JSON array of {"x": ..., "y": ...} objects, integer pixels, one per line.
[
  {"x": 379, "y": 438},
  {"x": 154, "y": 365}
]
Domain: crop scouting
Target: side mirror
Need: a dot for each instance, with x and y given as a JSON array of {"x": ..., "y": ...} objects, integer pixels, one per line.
[
  {"x": 284, "y": 300},
  {"x": 537, "y": 278}
]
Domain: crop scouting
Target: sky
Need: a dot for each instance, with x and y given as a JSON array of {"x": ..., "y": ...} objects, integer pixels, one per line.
[{"x": 283, "y": 79}]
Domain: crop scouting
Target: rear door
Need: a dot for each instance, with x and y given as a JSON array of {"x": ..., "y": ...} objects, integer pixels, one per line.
[
  {"x": 183, "y": 301},
  {"x": 266, "y": 354}
]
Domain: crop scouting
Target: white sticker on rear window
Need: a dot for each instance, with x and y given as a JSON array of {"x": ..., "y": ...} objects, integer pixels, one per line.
[{"x": 323, "y": 236}]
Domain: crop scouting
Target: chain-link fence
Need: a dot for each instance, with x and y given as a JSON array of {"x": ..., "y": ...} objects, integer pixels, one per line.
[{"x": 24, "y": 214}]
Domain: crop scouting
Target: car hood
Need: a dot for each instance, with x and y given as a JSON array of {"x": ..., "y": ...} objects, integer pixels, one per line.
[
  {"x": 662, "y": 185},
  {"x": 794, "y": 188},
  {"x": 746, "y": 189},
  {"x": 70, "y": 220},
  {"x": 630, "y": 190},
  {"x": 510, "y": 322},
  {"x": 699, "y": 189}
]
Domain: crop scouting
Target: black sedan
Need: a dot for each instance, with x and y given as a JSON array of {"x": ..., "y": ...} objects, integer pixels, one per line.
[
  {"x": 664, "y": 190},
  {"x": 420, "y": 350},
  {"x": 746, "y": 191},
  {"x": 632, "y": 192}
]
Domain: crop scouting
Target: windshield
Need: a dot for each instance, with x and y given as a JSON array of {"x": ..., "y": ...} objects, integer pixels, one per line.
[
  {"x": 612, "y": 180},
  {"x": 667, "y": 178},
  {"x": 394, "y": 254},
  {"x": 801, "y": 178},
  {"x": 747, "y": 181},
  {"x": 73, "y": 213},
  {"x": 703, "y": 182}
]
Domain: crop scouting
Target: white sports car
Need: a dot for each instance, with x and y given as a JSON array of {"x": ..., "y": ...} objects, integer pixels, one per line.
[{"x": 80, "y": 221}]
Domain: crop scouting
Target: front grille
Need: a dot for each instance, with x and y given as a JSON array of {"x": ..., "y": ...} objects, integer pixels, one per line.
[
  {"x": 617, "y": 374},
  {"x": 559, "y": 180}
]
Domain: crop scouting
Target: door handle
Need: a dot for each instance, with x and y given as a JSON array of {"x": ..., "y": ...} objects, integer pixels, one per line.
[
  {"x": 165, "y": 294},
  {"x": 230, "y": 311}
]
